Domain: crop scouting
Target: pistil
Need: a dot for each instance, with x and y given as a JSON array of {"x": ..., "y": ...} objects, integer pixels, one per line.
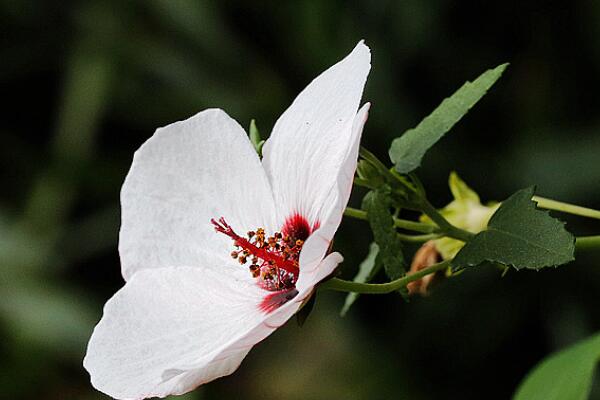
[{"x": 274, "y": 259}]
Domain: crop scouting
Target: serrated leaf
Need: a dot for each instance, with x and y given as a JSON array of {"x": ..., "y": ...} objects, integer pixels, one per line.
[
  {"x": 377, "y": 205},
  {"x": 408, "y": 150},
  {"x": 566, "y": 375},
  {"x": 366, "y": 272},
  {"x": 519, "y": 235}
]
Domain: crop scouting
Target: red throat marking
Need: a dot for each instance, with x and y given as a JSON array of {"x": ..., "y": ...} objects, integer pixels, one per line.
[{"x": 274, "y": 260}]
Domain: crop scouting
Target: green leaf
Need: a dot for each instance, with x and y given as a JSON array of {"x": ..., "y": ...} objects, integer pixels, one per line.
[
  {"x": 255, "y": 137},
  {"x": 366, "y": 272},
  {"x": 519, "y": 235},
  {"x": 407, "y": 151},
  {"x": 565, "y": 375},
  {"x": 377, "y": 205}
]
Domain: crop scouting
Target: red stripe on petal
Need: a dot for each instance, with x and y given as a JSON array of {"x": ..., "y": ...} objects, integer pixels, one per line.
[
  {"x": 316, "y": 225},
  {"x": 273, "y": 301}
]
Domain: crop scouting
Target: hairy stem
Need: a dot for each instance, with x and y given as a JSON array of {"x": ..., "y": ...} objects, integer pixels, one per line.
[{"x": 341, "y": 285}]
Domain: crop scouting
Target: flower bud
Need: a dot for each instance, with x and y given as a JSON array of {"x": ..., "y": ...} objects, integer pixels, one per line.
[{"x": 425, "y": 257}]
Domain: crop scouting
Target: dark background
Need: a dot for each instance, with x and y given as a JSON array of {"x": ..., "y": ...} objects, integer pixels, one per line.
[{"x": 85, "y": 83}]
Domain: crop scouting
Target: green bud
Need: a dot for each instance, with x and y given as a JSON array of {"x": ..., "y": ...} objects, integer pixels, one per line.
[
  {"x": 465, "y": 212},
  {"x": 255, "y": 137},
  {"x": 368, "y": 172}
]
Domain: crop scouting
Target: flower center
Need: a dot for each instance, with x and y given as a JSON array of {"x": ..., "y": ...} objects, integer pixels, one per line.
[{"x": 273, "y": 260}]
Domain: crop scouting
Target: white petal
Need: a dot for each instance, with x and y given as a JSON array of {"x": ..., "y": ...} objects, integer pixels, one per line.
[
  {"x": 310, "y": 141},
  {"x": 169, "y": 330},
  {"x": 187, "y": 173},
  {"x": 346, "y": 176},
  {"x": 318, "y": 243},
  {"x": 306, "y": 281}
]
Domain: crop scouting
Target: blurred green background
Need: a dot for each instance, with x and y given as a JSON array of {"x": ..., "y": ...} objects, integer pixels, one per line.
[{"x": 85, "y": 83}]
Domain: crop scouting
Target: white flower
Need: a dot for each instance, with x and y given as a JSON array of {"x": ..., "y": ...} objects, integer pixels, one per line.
[{"x": 200, "y": 291}]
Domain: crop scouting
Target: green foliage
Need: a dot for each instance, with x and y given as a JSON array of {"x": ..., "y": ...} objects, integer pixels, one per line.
[
  {"x": 566, "y": 375},
  {"x": 407, "y": 151},
  {"x": 519, "y": 235},
  {"x": 377, "y": 205},
  {"x": 366, "y": 272}
]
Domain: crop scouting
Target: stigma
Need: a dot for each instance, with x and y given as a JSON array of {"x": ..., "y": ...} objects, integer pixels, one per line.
[{"x": 272, "y": 260}]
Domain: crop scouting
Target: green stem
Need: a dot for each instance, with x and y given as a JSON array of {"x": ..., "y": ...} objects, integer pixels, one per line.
[
  {"x": 566, "y": 207},
  {"x": 445, "y": 226},
  {"x": 341, "y": 285},
  {"x": 398, "y": 223},
  {"x": 418, "y": 238},
  {"x": 588, "y": 242}
]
